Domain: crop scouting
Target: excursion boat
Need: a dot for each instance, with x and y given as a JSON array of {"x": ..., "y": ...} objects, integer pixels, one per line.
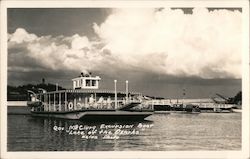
[{"x": 87, "y": 102}]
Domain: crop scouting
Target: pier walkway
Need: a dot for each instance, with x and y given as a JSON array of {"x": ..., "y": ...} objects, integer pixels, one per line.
[{"x": 202, "y": 103}]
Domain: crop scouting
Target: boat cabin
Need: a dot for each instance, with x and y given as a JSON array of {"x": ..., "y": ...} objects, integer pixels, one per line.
[{"x": 86, "y": 81}]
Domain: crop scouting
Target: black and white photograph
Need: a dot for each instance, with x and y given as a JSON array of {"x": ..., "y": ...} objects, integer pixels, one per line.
[{"x": 125, "y": 78}]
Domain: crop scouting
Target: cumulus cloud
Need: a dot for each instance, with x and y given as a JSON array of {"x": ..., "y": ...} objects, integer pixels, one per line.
[
  {"x": 79, "y": 42},
  {"x": 205, "y": 44},
  {"x": 21, "y": 36},
  {"x": 54, "y": 53}
]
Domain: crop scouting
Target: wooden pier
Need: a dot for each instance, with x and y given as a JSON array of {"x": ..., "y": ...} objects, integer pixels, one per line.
[{"x": 205, "y": 105}]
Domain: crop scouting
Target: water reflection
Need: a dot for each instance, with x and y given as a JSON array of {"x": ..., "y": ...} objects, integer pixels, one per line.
[{"x": 169, "y": 132}]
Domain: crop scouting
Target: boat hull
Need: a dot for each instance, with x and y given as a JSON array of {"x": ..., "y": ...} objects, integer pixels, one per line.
[
  {"x": 237, "y": 110},
  {"x": 96, "y": 115}
]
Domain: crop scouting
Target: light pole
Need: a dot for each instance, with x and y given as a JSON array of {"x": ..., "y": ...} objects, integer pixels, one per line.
[
  {"x": 126, "y": 90},
  {"x": 56, "y": 86},
  {"x": 115, "y": 81}
]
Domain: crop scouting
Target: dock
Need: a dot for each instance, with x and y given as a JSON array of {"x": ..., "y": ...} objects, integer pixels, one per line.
[
  {"x": 205, "y": 105},
  {"x": 18, "y": 108}
]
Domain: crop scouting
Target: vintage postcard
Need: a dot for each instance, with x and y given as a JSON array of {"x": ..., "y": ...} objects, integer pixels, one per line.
[{"x": 125, "y": 79}]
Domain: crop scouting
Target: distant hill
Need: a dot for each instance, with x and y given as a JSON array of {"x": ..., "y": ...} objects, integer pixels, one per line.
[{"x": 20, "y": 93}]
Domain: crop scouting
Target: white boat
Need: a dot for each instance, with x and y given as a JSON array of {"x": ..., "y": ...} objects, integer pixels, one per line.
[{"x": 87, "y": 102}]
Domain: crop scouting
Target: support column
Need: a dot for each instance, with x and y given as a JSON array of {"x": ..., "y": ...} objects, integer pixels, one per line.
[
  {"x": 56, "y": 86},
  {"x": 49, "y": 103},
  {"x": 115, "y": 81},
  {"x": 74, "y": 104},
  {"x": 86, "y": 102},
  {"x": 54, "y": 101},
  {"x": 126, "y": 91},
  {"x": 65, "y": 102},
  {"x": 45, "y": 101},
  {"x": 95, "y": 99},
  {"x": 60, "y": 106}
]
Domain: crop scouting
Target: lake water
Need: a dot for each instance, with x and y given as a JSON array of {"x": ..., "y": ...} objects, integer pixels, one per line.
[{"x": 161, "y": 132}]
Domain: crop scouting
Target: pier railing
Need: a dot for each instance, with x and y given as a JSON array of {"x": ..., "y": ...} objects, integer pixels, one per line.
[
  {"x": 72, "y": 105},
  {"x": 67, "y": 100},
  {"x": 202, "y": 104}
]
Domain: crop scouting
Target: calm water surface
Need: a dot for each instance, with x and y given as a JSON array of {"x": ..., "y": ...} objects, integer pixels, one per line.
[{"x": 205, "y": 131}]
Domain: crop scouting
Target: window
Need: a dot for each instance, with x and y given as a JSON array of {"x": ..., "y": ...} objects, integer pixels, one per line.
[
  {"x": 87, "y": 82},
  {"x": 94, "y": 83}
]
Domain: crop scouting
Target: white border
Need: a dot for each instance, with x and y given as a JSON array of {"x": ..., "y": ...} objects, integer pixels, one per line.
[{"x": 244, "y": 153}]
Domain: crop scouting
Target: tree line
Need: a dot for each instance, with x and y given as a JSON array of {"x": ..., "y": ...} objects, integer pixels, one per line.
[{"x": 20, "y": 93}]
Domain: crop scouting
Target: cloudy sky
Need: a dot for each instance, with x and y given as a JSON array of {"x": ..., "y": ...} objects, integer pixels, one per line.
[{"x": 161, "y": 51}]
